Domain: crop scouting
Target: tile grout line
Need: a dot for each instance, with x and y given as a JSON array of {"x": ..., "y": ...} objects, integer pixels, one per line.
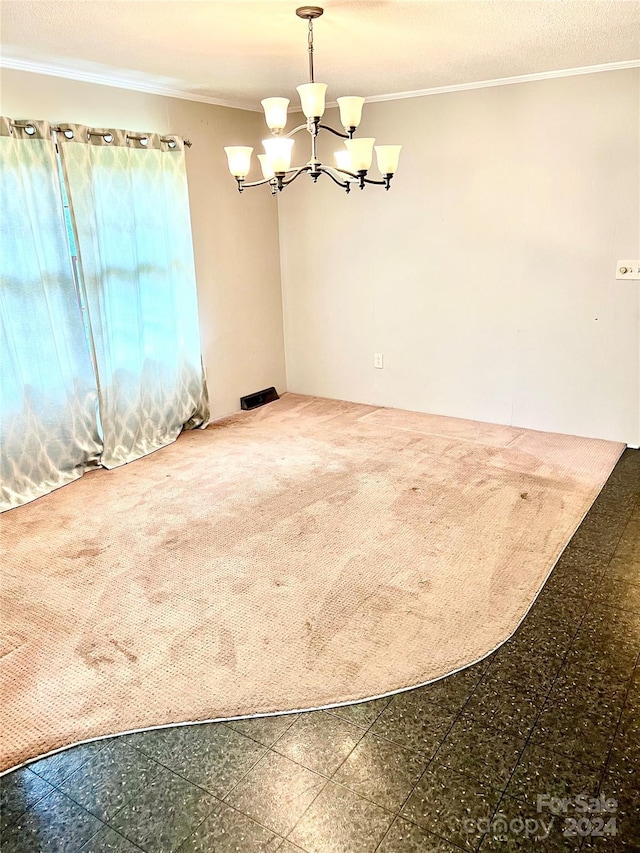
[
  {"x": 365, "y": 732},
  {"x": 56, "y": 789},
  {"x": 430, "y": 762},
  {"x": 626, "y": 696},
  {"x": 330, "y": 778},
  {"x": 501, "y": 791},
  {"x": 605, "y": 766},
  {"x": 270, "y": 749},
  {"x": 111, "y": 829},
  {"x": 222, "y": 800},
  {"x": 219, "y": 800},
  {"x": 528, "y": 739}
]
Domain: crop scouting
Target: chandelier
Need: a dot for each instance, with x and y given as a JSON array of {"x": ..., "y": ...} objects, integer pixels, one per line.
[{"x": 352, "y": 163}]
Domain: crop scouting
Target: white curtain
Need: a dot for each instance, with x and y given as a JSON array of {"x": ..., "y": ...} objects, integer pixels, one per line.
[
  {"x": 48, "y": 395},
  {"x": 130, "y": 208}
]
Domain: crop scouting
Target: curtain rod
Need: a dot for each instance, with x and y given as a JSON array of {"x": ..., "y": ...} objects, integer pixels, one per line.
[{"x": 186, "y": 142}]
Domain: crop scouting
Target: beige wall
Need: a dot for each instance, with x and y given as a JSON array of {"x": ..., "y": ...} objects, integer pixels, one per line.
[
  {"x": 486, "y": 274},
  {"x": 235, "y": 237}
]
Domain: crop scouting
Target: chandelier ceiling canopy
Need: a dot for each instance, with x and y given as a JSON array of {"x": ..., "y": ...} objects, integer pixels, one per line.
[{"x": 352, "y": 163}]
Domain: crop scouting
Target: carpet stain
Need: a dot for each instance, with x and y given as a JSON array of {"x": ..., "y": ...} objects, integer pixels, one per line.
[
  {"x": 96, "y": 655},
  {"x": 85, "y": 552}
]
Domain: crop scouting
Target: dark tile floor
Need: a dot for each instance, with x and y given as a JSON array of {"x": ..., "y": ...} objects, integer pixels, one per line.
[{"x": 506, "y": 755}]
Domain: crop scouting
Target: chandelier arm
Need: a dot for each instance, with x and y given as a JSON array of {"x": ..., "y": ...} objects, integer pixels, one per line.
[
  {"x": 256, "y": 183},
  {"x": 346, "y": 172},
  {"x": 296, "y": 172},
  {"x": 385, "y": 182},
  {"x": 335, "y": 132},
  {"x": 343, "y": 184},
  {"x": 270, "y": 180},
  {"x": 295, "y": 130}
]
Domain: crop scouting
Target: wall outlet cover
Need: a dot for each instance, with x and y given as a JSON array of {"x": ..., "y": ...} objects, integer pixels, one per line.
[{"x": 628, "y": 270}]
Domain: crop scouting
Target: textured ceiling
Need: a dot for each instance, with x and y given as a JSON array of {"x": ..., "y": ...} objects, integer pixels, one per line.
[{"x": 240, "y": 52}]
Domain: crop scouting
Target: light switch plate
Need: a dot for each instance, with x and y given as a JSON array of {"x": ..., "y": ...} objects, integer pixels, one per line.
[{"x": 628, "y": 270}]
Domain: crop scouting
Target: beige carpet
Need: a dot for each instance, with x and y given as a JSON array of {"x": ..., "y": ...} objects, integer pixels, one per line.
[{"x": 308, "y": 553}]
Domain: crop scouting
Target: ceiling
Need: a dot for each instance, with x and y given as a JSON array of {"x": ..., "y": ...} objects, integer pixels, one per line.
[{"x": 241, "y": 51}]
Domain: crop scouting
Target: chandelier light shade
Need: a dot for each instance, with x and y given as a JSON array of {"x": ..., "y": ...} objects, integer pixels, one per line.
[
  {"x": 312, "y": 99},
  {"x": 387, "y": 157},
  {"x": 352, "y": 164},
  {"x": 267, "y": 171},
  {"x": 350, "y": 112},
  {"x": 360, "y": 153},
  {"x": 275, "y": 113},
  {"x": 278, "y": 151},
  {"x": 343, "y": 160},
  {"x": 239, "y": 158}
]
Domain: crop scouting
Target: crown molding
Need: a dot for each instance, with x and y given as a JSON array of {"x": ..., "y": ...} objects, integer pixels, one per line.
[
  {"x": 170, "y": 92},
  {"x": 118, "y": 82},
  {"x": 507, "y": 81}
]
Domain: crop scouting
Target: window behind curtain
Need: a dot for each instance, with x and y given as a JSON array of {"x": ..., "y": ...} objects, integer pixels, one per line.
[{"x": 48, "y": 394}]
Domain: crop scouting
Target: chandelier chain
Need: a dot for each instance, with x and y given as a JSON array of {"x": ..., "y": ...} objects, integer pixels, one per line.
[{"x": 310, "y": 38}]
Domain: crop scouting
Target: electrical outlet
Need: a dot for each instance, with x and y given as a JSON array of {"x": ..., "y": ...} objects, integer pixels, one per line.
[
  {"x": 378, "y": 360},
  {"x": 628, "y": 270}
]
